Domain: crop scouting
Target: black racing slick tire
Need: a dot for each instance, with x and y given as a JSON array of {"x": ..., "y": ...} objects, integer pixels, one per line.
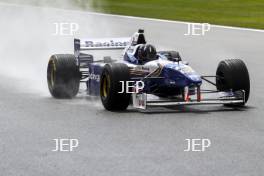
[
  {"x": 111, "y": 86},
  {"x": 233, "y": 74},
  {"x": 63, "y": 76}
]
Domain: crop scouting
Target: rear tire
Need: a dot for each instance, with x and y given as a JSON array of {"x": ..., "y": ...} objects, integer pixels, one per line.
[
  {"x": 233, "y": 74},
  {"x": 63, "y": 76},
  {"x": 110, "y": 85}
]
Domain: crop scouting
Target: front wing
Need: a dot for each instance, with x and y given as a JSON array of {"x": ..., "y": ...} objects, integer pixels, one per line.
[{"x": 144, "y": 101}]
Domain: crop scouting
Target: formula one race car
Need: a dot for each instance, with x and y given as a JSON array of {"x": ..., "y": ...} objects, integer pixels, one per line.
[{"x": 144, "y": 77}]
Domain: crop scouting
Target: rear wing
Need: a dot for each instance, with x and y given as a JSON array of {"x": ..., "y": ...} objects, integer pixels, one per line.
[
  {"x": 101, "y": 44},
  {"x": 97, "y": 44}
]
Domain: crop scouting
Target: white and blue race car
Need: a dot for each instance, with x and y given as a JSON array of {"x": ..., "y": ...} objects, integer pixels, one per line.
[{"x": 143, "y": 77}]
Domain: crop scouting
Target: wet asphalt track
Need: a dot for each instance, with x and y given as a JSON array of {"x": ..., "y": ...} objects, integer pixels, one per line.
[{"x": 130, "y": 143}]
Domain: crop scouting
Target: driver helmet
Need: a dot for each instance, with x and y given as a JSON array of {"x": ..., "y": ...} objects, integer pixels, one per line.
[{"x": 146, "y": 52}]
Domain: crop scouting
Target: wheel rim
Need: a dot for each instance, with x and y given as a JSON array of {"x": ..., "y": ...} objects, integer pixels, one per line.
[
  {"x": 105, "y": 86},
  {"x": 52, "y": 79},
  {"x": 51, "y": 73}
]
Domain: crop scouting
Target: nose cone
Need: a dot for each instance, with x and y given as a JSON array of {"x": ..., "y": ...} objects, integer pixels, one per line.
[
  {"x": 194, "y": 78},
  {"x": 183, "y": 74}
]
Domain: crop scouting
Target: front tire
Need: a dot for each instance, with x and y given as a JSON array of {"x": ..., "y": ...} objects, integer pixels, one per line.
[
  {"x": 233, "y": 74},
  {"x": 110, "y": 85},
  {"x": 63, "y": 76}
]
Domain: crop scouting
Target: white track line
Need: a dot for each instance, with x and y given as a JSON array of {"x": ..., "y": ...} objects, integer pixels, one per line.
[
  {"x": 171, "y": 21},
  {"x": 133, "y": 17}
]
